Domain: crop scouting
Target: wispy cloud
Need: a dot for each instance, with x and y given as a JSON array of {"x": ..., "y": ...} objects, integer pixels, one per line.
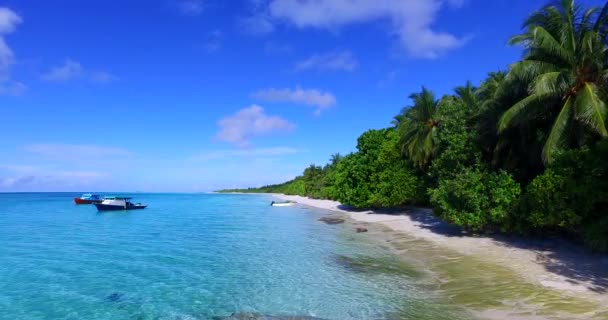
[
  {"x": 12, "y": 88},
  {"x": 257, "y": 24},
  {"x": 245, "y": 153},
  {"x": 214, "y": 41},
  {"x": 61, "y": 167},
  {"x": 68, "y": 71},
  {"x": 33, "y": 178},
  {"x": 250, "y": 122},
  {"x": 73, "y": 70},
  {"x": 102, "y": 77},
  {"x": 330, "y": 61},
  {"x": 76, "y": 151},
  {"x": 456, "y": 3},
  {"x": 412, "y": 20},
  {"x": 190, "y": 7},
  {"x": 388, "y": 78},
  {"x": 8, "y": 24},
  {"x": 309, "y": 97},
  {"x": 276, "y": 48}
]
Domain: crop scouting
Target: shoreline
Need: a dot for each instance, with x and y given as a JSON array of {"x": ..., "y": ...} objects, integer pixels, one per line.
[{"x": 553, "y": 264}]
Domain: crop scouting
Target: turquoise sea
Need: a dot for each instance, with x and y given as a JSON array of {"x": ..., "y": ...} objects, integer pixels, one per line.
[{"x": 197, "y": 256}]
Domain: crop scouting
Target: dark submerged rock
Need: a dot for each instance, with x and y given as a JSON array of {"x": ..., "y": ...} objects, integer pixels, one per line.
[
  {"x": 361, "y": 229},
  {"x": 373, "y": 265},
  {"x": 332, "y": 220},
  {"x": 115, "y": 297}
]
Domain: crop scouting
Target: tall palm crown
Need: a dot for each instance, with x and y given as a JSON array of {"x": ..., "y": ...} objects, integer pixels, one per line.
[
  {"x": 418, "y": 127},
  {"x": 565, "y": 62}
]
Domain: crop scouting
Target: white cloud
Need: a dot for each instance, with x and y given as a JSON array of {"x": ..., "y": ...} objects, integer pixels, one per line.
[
  {"x": 190, "y": 7},
  {"x": 247, "y": 123},
  {"x": 388, "y": 78},
  {"x": 412, "y": 20},
  {"x": 330, "y": 61},
  {"x": 8, "y": 24},
  {"x": 33, "y": 178},
  {"x": 68, "y": 71},
  {"x": 257, "y": 24},
  {"x": 7, "y": 59},
  {"x": 102, "y": 77},
  {"x": 310, "y": 97},
  {"x": 456, "y": 3},
  {"x": 72, "y": 70},
  {"x": 61, "y": 167},
  {"x": 12, "y": 88},
  {"x": 76, "y": 151},
  {"x": 245, "y": 153},
  {"x": 8, "y": 20}
]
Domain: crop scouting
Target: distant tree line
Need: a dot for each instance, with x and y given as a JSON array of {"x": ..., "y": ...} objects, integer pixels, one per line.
[{"x": 525, "y": 151}]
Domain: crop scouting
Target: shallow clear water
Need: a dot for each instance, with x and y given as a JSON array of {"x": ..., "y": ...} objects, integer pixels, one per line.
[{"x": 197, "y": 256}]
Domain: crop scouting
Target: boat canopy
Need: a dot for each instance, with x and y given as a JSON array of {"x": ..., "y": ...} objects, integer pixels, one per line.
[
  {"x": 90, "y": 196},
  {"x": 118, "y": 198}
]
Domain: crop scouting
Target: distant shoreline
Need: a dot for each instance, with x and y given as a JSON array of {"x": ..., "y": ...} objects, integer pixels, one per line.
[{"x": 527, "y": 257}]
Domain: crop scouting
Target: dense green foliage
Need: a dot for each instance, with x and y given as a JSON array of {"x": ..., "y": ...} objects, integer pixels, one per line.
[
  {"x": 525, "y": 151},
  {"x": 572, "y": 195},
  {"x": 376, "y": 176},
  {"x": 419, "y": 136},
  {"x": 476, "y": 199}
]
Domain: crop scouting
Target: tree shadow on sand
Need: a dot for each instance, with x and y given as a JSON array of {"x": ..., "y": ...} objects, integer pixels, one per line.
[{"x": 558, "y": 256}]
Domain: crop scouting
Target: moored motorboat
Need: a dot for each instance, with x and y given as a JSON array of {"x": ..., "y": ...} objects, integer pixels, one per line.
[
  {"x": 282, "y": 203},
  {"x": 118, "y": 203},
  {"x": 88, "y": 198}
]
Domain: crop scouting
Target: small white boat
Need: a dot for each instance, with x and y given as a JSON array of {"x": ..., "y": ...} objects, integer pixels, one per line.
[
  {"x": 118, "y": 203},
  {"x": 282, "y": 203}
]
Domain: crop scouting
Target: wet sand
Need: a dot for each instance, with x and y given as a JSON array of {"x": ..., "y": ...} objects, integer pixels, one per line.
[{"x": 498, "y": 277}]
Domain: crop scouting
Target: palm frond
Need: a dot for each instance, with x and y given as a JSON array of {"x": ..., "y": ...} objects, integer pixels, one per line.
[
  {"x": 544, "y": 40},
  {"x": 508, "y": 117},
  {"x": 590, "y": 109},
  {"x": 548, "y": 84},
  {"x": 527, "y": 70},
  {"x": 557, "y": 136},
  {"x": 602, "y": 19}
]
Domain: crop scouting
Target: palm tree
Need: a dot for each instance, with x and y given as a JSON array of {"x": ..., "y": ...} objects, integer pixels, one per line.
[
  {"x": 469, "y": 96},
  {"x": 335, "y": 158},
  {"x": 418, "y": 128},
  {"x": 565, "y": 62}
]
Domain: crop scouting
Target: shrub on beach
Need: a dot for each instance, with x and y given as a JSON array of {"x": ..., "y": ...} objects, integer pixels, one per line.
[
  {"x": 476, "y": 199},
  {"x": 376, "y": 176},
  {"x": 571, "y": 196}
]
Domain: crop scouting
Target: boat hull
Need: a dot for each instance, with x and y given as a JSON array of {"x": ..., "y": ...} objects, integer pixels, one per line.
[
  {"x": 282, "y": 204},
  {"x": 106, "y": 207},
  {"x": 85, "y": 201}
]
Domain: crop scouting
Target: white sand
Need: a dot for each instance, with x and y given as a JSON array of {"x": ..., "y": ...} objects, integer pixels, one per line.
[{"x": 553, "y": 264}]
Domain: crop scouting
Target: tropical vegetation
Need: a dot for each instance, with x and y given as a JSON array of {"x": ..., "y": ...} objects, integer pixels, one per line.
[{"x": 524, "y": 151}]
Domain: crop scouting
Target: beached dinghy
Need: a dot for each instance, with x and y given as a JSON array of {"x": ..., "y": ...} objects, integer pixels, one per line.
[
  {"x": 282, "y": 203},
  {"x": 118, "y": 203},
  {"x": 88, "y": 198}
]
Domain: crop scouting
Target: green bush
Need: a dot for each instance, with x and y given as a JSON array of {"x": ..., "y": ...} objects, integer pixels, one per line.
[
  {"x": 571, "y": 196},
  {"x": 476, "y": 199},
  {"x": 456, "y": 147},
  {"x": 551, "y": 203},
  {"x": 595, "y": 234},
  {"x": 376, "y": 176}
]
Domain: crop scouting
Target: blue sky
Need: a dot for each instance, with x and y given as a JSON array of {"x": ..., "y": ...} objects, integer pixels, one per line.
[{"x": 195, "y": 95}]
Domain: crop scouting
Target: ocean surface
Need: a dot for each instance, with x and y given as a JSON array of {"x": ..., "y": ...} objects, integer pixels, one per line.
[{"x": 197, "y": 256}]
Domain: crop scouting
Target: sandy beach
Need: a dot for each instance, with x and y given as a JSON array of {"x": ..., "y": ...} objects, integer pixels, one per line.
[{"x": 554, "y": 264}]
